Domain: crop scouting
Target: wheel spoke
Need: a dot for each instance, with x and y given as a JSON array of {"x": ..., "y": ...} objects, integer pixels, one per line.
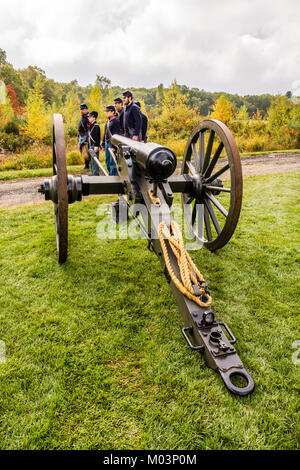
[
  {"x": 201, "y": 149},
  {"x": 208, "y": 150},
  {"x": 220, "y": 172},
  {"x": 214, "y": 160},
  {"x": 188, "y": 198},
  {"x": 212, "y": 215},
  {"x": 191, "y": 168},
  {"x": 217, "y": 204},
  {"x": 194, "y": 213},
  {"x": 196, "y": 158},
  {"x": 200, "y": 211},
  {"x": 197, "y": 212},
  {"x": 207, "y": 224},
  {"x": 218, "y": 188}
]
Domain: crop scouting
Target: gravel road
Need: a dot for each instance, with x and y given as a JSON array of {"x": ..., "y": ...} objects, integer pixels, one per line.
[{"x": 22, "y": 191}]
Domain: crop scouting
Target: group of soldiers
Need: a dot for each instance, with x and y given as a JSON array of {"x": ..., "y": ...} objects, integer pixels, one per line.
[{"x": 123, "y": 118}]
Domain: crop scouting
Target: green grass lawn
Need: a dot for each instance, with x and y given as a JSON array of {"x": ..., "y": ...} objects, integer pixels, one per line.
[
  {"x": 33, "y": 173},
  {"x": 95, "y": 358}
]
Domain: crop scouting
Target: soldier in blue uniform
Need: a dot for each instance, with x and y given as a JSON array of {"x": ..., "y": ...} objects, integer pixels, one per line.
[
  {"x": 82, "y": 134},
  {"x": 143, "y": 136},
  {"x": 132, "y": 120},
  {"x": 94, "y": 138},
  {"x": 120, "y": 110},
  {"x": 112, "y": 126}
]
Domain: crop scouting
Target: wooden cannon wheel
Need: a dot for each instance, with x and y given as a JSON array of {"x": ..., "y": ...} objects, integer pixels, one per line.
[
  {"x": 60, "y": 170},
  {"x": 212, "y": 159}
]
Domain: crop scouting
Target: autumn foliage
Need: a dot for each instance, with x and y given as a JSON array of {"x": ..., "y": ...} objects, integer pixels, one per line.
[
  {"x": 223, "y": 110},
  {"x": 13, "y": 100},
  {"x": 258, "y": 122},
  {"x": 36, "y": 126}
]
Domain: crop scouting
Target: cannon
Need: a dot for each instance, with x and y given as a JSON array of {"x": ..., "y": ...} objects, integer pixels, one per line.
[{"x": 210, "y": 184}]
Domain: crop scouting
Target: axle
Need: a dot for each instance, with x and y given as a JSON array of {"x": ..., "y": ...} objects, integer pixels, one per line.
[{"x": 95, "y": 185}]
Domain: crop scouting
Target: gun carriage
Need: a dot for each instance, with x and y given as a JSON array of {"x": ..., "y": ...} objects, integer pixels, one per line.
[{"x": 146, "y": 177}]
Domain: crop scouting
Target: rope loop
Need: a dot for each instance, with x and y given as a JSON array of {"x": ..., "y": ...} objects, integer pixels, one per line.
[{"x": 189, "y": 273}]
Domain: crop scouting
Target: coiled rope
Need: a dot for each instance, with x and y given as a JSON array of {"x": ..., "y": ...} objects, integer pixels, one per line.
[{"x": 189, "y": 273}]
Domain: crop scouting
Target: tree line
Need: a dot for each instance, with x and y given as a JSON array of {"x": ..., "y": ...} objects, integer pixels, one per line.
[{"x": 259, "y": 122}]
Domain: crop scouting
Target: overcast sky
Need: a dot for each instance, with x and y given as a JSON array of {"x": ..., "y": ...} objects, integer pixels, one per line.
[{"x": 238, "y": 46}]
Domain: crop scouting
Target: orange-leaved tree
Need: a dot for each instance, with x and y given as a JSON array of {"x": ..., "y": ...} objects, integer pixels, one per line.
[{"x": 13, "y": 99}]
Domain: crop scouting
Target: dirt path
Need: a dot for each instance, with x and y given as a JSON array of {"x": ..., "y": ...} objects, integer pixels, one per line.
[{"x": 18, "y": 192}]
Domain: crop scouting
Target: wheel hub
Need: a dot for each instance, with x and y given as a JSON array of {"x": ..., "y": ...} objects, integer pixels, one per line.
[
  {"x": 218, "y": 184},
  {"x": 198, "y": 186},
  {"x": 49, "y": 189}
]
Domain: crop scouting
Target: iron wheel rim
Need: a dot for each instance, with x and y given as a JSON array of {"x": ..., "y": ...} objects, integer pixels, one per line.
[
  {"x": 203, "y": 160},
  {"x": 60, "y": 170}
]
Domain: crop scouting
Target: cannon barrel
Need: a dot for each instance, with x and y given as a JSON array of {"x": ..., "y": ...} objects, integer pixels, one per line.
[{"x": 158, "y": 161}]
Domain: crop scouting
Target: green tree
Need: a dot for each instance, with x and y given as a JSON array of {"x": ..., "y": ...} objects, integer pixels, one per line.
[
  {"x": 176, "y": 119},
  {"x": 160, "y": 93},
  {"x": 2, "y": 57},
  {"x": 70, "y": 112},
  {"x": 109, "y": 99},
  {"x": 242, "y": 114},
  {"x": 278, "y": 117},
  {"x": 6, "y": 111},
  {"x": 95, "y": 101},
  {"x": 104, "y": 84},
  {"x": 11, "y": 77},
  {"x": 295, "y": 125},
  {"x": 241, "y": 123},
  {"x": 254, "y": 102},
  {"x": 30, "y": 74},
  {"x": 48, "y": 88}
]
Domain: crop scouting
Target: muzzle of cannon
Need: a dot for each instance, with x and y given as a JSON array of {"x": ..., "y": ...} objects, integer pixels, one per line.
[
  {"x": 158, "y": 162},
  {"x": 210, "y": 184}
]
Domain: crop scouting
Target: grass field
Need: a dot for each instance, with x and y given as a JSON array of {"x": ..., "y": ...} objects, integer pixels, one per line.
[
  {"x": 95, "y": 358},
  {"x": 33, "y": 173}
]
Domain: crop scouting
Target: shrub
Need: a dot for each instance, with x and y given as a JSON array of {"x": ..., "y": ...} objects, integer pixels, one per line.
[
  {"x": 8, "y": 141},
  {"x": 255, "y": 143},
  {"x": 13, "y": 142},
  {"x": 31, "y": 160},
  {"x": 74, "y": 158},
  {"x": 177, "y": 146},
  {"x": 258, "y": 127},
  {"x": 11, "y": 163},
  {"x": 71, "y": 132},
  {"x": 11, "y": 128}
]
